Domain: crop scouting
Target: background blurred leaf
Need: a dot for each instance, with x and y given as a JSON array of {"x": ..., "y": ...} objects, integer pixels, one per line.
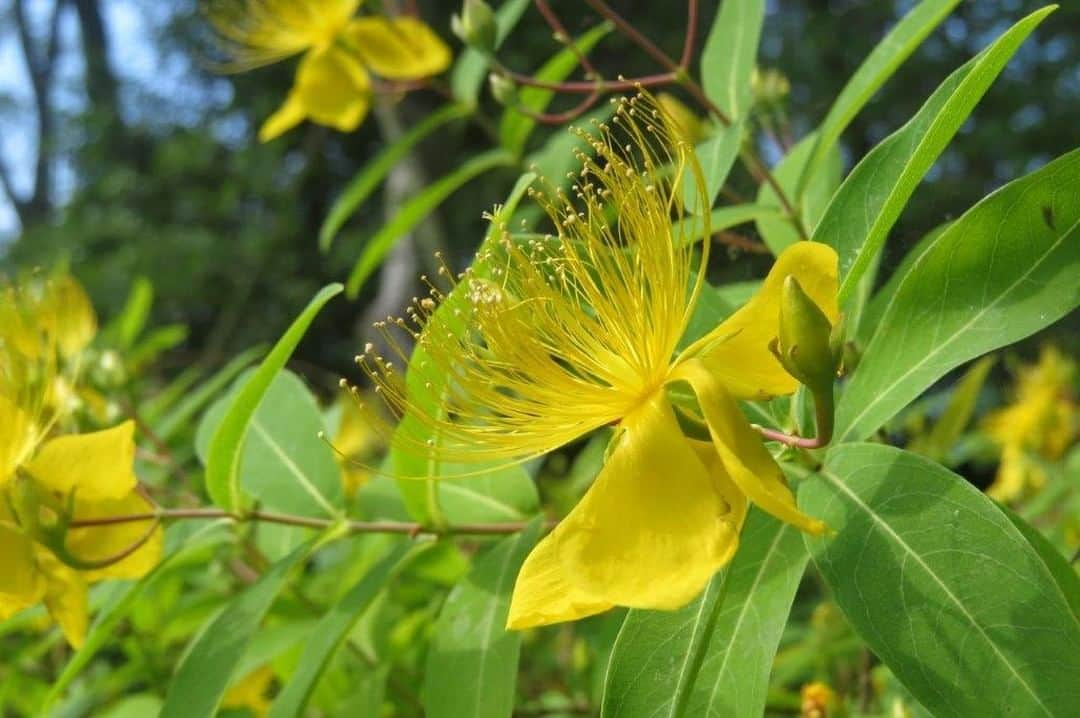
[
  {"x": 284, "y": 464},
  {"x": 730, "y": 55},
  {"x": 207, "y": 667},
  {"x": 954, "y": 418},
  {"x": 996, "y": 275},
  {"x": 966, "y": 614},
  {"x": 873, "y": 195},
  {"x": 418, "y": 207},
  {"x": 713, "y": 657},
  {"x": 225, "y": 451},
  {"x": 885, "y": 59},
  {"x": 368, "y": 179},
  {"x": 473, "y": 660},
  {"x": 329, "y": 633}
]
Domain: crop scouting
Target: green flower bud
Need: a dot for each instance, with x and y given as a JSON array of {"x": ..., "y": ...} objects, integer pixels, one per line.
[
  {"x": 805, "y": 342},
  {"x": 476, "y": 25},
  {"x": 503, "y": 89}
]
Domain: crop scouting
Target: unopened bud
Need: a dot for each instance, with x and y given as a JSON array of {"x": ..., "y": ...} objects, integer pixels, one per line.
[
  {"x": 475, "y": 25},
  {"x": 770, "y": 87},
  {"x": 805, "y": 342},
  {"x": 503, "y": 89}
]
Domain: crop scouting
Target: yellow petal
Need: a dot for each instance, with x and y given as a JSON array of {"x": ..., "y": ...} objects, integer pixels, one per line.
[
  {"x": 16, "y": 438},
  {"x": 21, "y": 583},
  {"x": 650, "y": 532},
  {"x": 100, "y": 542},
  {"x": 402, "y": 48},
  {"x": 288, "y": 116},
  {"x": 333, "y": 88},
  {"x": 737, "y": 351},
  {"x": 65, "y": 598},
  {"x": 740, "y": 448},
  {"x": 75, "y": 320},
  {"x": 543, "y": 595},
  {"x": 99, "y": 464}
]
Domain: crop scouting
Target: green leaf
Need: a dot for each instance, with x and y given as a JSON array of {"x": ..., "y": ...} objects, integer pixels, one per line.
[
  {"x": 418, "y": 207},
  {"x": 1060, "y": 568},
  {"x": 777, "y": 230},
  {"x": 730, "y": 54},
  {"x": 132, "y": 318},
  {"x": 873, "y": 195},
  {"x": 328, "y": 635},
  {"x": 954, "y": 418},
  {"x": 206, "y": 669},
  {"x": 713, "y": 657},
  {"x": 716, "y": 156},
  {"x": 181, "y": 541},
  {"x": 371, "y": 175},
  {"x": 421, "y": 495},
  {"x": 469, "y": 71},
  {"x": 692, "y": 229},
  {"x": 942, "y": 586},
  {"x": 195, "y": 400},
  {"x": 225, "y": 452},
  {"x": 515, "y": 126},
  {"x": 472, "y": 662},
  {"x": 284, "y": 465},
  {"x": 886, "y": 57},
  {"x": 1004, "y": 270},
  {"x": 870, "y": 319}
]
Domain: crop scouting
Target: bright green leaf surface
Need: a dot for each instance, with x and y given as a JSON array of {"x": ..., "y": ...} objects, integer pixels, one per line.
[
  {"x": 329, "y": 633},
  {"x": 886, "y": 57},
  {"x": 473, "y": 660},
  {"x": 730, "y": 54},
  {"x": 1007, "y": 268},
  {"x": 716, "y": 156},
  {"x": 1060, "y": 568},
  {"x": 225, "y": 451},
  {"x": 942, "y": 586},
  {"x": 413, "y": 211},
  {"x": 713, "y": 657},
  {"x": 285, "y": 466},
  {"x": 371, "y": 175},
  {"x": 207, "y": 667},
  {"x": 873, "y": 195}
]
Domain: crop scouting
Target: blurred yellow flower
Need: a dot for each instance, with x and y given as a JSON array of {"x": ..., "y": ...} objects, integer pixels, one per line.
[
  {"x": 355, "y": 442},
  {"x": 1040, "y": 424},
  {"x": 251, "y": 692},
  {"x": 47, "y": 483},
  {"x": 333, "y": 85},
  {"x": 817, "y": 699},
  {"x": 549, "y": 339}
]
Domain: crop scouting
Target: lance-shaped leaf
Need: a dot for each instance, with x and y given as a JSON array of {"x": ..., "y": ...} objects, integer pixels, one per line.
[
  {"x": 942, "y": 586},
  {"x": 472, "y": 662},
  {"x": 226, "y": 447},
  {"x": 713, "y": 657},
  {"x": 873, "y": 195},
  {"x": 1007, "y": 268}
]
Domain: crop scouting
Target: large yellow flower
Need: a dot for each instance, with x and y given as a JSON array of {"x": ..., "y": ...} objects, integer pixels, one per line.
[
  {"x": 548, "y": 339},
  {"x": 1042, "y": 422},
  {"x": 46, "y": 483},
  {"x": 332, "y": 85}
]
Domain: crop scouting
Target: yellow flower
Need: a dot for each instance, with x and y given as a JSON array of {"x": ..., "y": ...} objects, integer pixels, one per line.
[
  {"x": 548, "y": 339},
  {"x": 1042, "y": 422},
  {"x": 333, "y": 85},
  {"x": 354, "y": 443},
  {"x": 46, "y": 483},
  {"x": 817, "y": 699},
  {"x": 251, "y": 692}
]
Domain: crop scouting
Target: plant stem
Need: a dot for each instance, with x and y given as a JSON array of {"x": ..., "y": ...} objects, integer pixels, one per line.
[{"x": 352, "y": 527}]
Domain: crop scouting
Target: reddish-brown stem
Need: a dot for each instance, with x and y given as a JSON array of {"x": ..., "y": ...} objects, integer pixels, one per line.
[
  {"x": 789, "y": 439},
  {"x": 394, "y": 527},
  {"x": 691, "y": 34},
  {"x": 561, "y": 117},
  {"x": 563, "y": 36},
  {"x": 737, "y": 241},
  {"x": 589, "y": 86},
  {"x": 634, "y": 35}
]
